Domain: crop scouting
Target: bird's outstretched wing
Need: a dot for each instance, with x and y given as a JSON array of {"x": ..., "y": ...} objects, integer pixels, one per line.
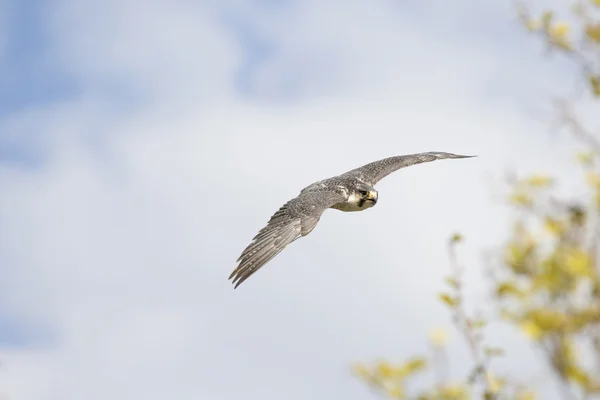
[
  {"x": 298, "y": 217},
  {"x": 377, "y": 170}
]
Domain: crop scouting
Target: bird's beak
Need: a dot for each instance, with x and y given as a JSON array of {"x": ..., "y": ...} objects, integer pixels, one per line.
[{"x": 372, "y": 196}]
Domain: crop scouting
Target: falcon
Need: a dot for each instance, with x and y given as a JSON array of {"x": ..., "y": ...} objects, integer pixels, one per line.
[{"x": 349, "y": 192}]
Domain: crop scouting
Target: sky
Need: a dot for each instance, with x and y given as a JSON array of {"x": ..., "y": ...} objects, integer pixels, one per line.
[{"x": 143, "y": 145}]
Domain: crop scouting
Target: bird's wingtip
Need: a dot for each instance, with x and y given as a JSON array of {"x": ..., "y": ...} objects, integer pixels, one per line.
[
  {"x": 237, "y": 277},
  {"x": 454, "y": 155},
  {"x": 465, "y": 156}
]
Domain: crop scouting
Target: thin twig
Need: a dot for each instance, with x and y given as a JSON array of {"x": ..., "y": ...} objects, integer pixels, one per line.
[{"x": 464, "y": 325}]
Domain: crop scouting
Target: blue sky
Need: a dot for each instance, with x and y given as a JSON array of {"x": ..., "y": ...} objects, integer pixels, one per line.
[
  {"x": 29, "y": 77},
  {"x": 117, "y": 119},
  {"x": 33, "y": 76}
]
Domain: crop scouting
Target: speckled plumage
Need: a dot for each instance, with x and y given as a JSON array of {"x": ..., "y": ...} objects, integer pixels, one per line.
[{"x": 351, "y": 191}]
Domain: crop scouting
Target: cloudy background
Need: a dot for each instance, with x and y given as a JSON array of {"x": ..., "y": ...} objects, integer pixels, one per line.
[{"x": 144, "y": 143}]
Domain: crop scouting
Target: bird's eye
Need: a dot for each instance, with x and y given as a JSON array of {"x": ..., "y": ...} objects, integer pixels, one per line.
[{"x": 363, "y": 192}]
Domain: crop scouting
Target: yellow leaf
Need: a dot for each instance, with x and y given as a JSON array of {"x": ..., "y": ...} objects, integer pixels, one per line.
[
  {"x": 547, "y": 319},
  {"x": 453, "y": 282},
  {"x": 494, "y": 384},
  {"x": 479, "y": 323},
  {"x": 508, "y": 288},
  {"x": 539, "y": 181},
  {"x": 521, "y": 199},
  {"x": 593, "y": 32},
  {"x": 593, "y": 179},
  {"x": 525, "y": 395},
  {"x": 438, "y": 337},
  {"x": 414, "y": 365},
  {"x": 559, "y": 30},
  {"x": 595, "y": 85},
  {"x": 583, "y": 318},
  {"x": 559, "y": 35},
  {"x": 456, "y": 237},
  {"x": 586, "y": 158},
  {"x": 578, "y": 375},
  {"x": 518, "y": 257},
  {"x": 453, "y": 391},
  {"x": 546, "y": 19},
  {"x": 384, "y": 370},
  {"x": 553, "y": 226},
  {"x": 531, "y": 330},
  {"x": 578, "y": 262},
  {"x": 446, "y": 298},
  {"x": 396, "y": 392},
  {"x": 596, "y": 3}
]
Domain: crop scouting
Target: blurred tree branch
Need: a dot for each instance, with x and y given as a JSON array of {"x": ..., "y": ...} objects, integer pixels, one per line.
[{"x": 545, "y": 280}]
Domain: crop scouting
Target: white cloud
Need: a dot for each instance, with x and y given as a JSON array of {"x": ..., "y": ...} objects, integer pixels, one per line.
[
  {"x": 125, "y": 257},
  {"x": 174, "y": 50}
]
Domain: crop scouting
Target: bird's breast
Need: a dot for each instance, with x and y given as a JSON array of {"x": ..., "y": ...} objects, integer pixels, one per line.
[
  {"x": 348, "y": 207},
  {"x": 353, "y": 204}
]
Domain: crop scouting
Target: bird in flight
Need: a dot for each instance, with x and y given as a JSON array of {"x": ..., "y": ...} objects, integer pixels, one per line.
[{"x": 351, "y": 191}]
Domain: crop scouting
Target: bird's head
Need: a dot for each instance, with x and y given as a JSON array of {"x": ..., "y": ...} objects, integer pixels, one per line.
[{"x": 364, "y": 196}]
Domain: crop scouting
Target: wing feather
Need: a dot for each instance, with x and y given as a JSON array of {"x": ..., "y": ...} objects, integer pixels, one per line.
[
  {"x": 297, "y": 218},
  {"x": 377, "y": 170}
]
